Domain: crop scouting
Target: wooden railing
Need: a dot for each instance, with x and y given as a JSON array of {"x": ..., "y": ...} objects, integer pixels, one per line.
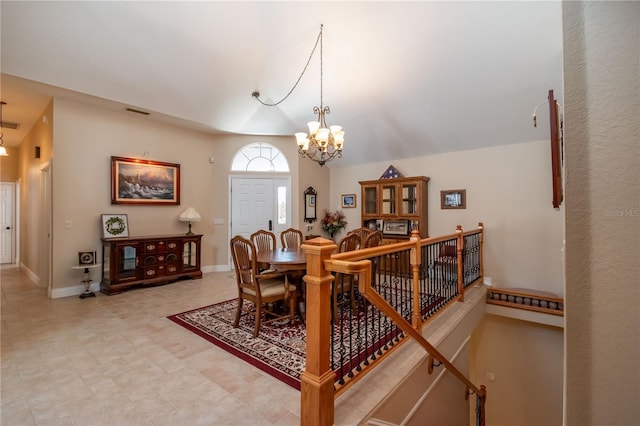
[
  {"x": 400, "y": 286},
  {"x": 528, "y": 300}
]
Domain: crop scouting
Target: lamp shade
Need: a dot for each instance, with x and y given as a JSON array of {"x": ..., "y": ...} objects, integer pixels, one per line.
[{"x": 189, "y": 215}]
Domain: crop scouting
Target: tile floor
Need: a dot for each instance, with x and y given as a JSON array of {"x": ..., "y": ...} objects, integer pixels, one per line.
[{"x": 117, "y": 360}]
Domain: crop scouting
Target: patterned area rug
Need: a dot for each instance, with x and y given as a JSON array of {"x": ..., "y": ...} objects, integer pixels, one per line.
[{"x": 279, "y": 349}]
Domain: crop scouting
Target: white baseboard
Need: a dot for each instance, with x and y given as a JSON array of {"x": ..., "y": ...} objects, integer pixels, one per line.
[
  {"x": 215, "y": 268},
  {"x": 32, "y": 276},
  {"x": 75, "y": 290}
]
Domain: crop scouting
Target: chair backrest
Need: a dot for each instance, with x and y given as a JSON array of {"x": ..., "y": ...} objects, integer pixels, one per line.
[
  {"x": 363, "y": 233},
  {"x": 291, "y": 238},
  {"x": 373, "y": 240},
  {"x": 349, "y": 242},
  {"x": 264, "y": 240},
  {"x": 243, "y": 253}
]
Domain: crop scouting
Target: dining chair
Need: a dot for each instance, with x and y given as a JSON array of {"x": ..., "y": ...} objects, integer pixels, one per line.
[
  {"x": 345, "y": 283},
  {"x": 363, "y": 233},
  {"x": 374, "y": 239},
  {"x": 260, "y": 290},
  {"x": 291, "y": 238},
  {"x": 264, "y": 241}
]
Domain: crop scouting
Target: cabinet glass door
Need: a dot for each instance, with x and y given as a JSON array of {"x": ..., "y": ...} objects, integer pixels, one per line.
[
  {"x": 409, "y": 205},
  {"x": 189, "y": 256},
  {"x": 371, "y": 200},
  {"x": 127, "y": 259},
  {"x": 388, "y": 199}
]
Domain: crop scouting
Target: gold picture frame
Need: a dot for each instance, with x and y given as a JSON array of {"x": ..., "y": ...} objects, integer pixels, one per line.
[{"x": 348, "y": 201}]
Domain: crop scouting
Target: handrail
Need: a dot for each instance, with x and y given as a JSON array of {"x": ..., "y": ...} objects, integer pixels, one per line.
[
  {"x": 416, "y": 267},
  {"x": 363, "y": 268}
]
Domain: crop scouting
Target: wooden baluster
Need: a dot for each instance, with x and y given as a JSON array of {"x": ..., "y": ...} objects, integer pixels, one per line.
[
  {"x": 460, "y": 246},
  {"x": 316, "y": 389}
]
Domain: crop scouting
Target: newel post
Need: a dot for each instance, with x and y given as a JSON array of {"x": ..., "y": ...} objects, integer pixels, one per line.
[
  {"x": 460, "y": 246},
  {"x": 316, "y": 388}
]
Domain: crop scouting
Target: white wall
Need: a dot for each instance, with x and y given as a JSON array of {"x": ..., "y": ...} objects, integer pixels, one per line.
[
  {"x": 508, "y": 189},
  {"x": 602, "y": 146}
]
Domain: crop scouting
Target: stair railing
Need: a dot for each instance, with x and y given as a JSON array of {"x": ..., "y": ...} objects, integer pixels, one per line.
[{"x": 317, "y": 381}]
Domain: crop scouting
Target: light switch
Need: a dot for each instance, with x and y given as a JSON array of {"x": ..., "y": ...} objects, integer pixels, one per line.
[{"x": 68, "y": 224}]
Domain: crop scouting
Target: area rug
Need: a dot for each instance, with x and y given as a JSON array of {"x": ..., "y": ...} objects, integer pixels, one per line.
[{"x": 279, "y": 349}]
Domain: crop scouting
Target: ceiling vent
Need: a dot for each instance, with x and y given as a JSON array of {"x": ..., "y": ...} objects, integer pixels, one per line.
[
  {"x": 137, "y": 111},
  {"x": 9, "y": 125}
]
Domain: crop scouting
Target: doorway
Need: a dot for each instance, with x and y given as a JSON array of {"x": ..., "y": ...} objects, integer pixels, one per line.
[{"x": 7, "y": 222}]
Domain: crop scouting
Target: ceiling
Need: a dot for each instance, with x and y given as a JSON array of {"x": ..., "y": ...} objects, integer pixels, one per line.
[{"x": 402, "y": 78}]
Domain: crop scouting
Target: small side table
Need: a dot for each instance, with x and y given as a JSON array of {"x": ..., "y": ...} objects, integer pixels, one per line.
[{"x": 87, "y": 279}]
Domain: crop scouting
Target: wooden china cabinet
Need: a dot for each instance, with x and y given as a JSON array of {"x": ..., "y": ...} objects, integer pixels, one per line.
[
  {"x": 396, "y": 206},
  {"x": 140, "y": 261}
]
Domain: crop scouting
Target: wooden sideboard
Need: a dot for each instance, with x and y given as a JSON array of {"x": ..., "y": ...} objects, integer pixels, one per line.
[{"x": 152, "y": 260}]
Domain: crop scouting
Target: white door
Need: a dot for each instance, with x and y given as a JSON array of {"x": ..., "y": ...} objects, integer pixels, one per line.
[
  {"x": 260, "y": 203},
  {"x": 7, "y": 191}
]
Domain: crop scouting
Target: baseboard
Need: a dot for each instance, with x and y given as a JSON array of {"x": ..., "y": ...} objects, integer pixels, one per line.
[
  {"x": 75, "y": 290},
  {"x": 215, "y": 268},
  {"x": 32, "y": 276}
]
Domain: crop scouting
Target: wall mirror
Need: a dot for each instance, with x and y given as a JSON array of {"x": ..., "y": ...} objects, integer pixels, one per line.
[{"x": 310, "y": 205}]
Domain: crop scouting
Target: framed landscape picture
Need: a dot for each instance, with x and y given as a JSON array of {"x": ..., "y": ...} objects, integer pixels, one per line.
[{"x": 146, "y": 182}]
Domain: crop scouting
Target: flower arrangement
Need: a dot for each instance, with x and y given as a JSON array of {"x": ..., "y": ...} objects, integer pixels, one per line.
[{"x": 333, "y": 222}]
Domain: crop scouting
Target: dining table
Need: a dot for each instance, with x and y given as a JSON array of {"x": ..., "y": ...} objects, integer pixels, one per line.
[
  {"x": 291, "y": 261},
  {"x": 284, "y": 259}
]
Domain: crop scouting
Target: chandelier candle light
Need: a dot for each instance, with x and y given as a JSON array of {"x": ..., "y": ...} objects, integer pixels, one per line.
[{"x": 189, "y": 215}]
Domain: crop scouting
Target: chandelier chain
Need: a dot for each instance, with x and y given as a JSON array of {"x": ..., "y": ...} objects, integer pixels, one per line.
[{"x": 318, "y": 40}]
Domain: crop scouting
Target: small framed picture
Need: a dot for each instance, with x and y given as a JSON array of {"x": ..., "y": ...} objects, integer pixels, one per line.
[
  {"x": 348, "y": 201},
  {"x": 453, "y": 199},
  {"x": 396, "y": 227},
  {"x": 115, "y": 226}
]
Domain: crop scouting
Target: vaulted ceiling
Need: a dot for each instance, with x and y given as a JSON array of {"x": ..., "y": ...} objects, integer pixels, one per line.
[{"x": 402, "y": 78}]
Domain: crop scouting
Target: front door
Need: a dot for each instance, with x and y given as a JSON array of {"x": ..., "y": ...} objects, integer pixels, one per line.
[{"x": 260, "y": 203}]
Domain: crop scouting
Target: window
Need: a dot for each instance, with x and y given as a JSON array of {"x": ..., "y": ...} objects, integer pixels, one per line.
[{"x": 259, "y": 157}]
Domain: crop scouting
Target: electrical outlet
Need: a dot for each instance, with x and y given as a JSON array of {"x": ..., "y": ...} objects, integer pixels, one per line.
[
  {"x": 487, "y": 281},
  {"x": 491, "y": 376}
]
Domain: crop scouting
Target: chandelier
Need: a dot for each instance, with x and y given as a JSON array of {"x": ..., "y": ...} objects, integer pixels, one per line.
[{"x": 323, "y": 143}]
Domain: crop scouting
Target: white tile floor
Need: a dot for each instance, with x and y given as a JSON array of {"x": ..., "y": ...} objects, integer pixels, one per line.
[{"x": 117, "y": 360}]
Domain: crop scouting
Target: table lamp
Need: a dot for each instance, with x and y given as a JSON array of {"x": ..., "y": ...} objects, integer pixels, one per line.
[{"x": 189, "y": 215}]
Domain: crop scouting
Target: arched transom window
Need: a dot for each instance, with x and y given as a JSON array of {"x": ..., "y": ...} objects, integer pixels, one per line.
[{"x": 259, "y": 157}]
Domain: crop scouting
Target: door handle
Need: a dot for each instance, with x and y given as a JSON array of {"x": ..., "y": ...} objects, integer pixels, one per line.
[
  {"x": 8, "y": 227},
  {"x": 270, "y": 225}
]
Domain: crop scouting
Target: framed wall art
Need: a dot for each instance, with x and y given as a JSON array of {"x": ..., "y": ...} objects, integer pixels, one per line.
[
  {"x": 114, "y": 226},
  {"x": 348, "y": 201},
  {"x": 310, "y": 205},
  {"x": 396, "y": 227},
  {"x": 145, "y": 182},
  {"x": 453, "y": 199}
]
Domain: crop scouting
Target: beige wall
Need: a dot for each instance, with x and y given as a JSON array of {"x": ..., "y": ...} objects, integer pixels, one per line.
[
  {"x": 508, "y": 189},
  {"x": 525, "y": 359},
  {"x": 602, "y": 129},
  {"x": 9, "y": 166},
  {"x": 85, "y": 139},
  {"x": 33, "y": 238}
]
